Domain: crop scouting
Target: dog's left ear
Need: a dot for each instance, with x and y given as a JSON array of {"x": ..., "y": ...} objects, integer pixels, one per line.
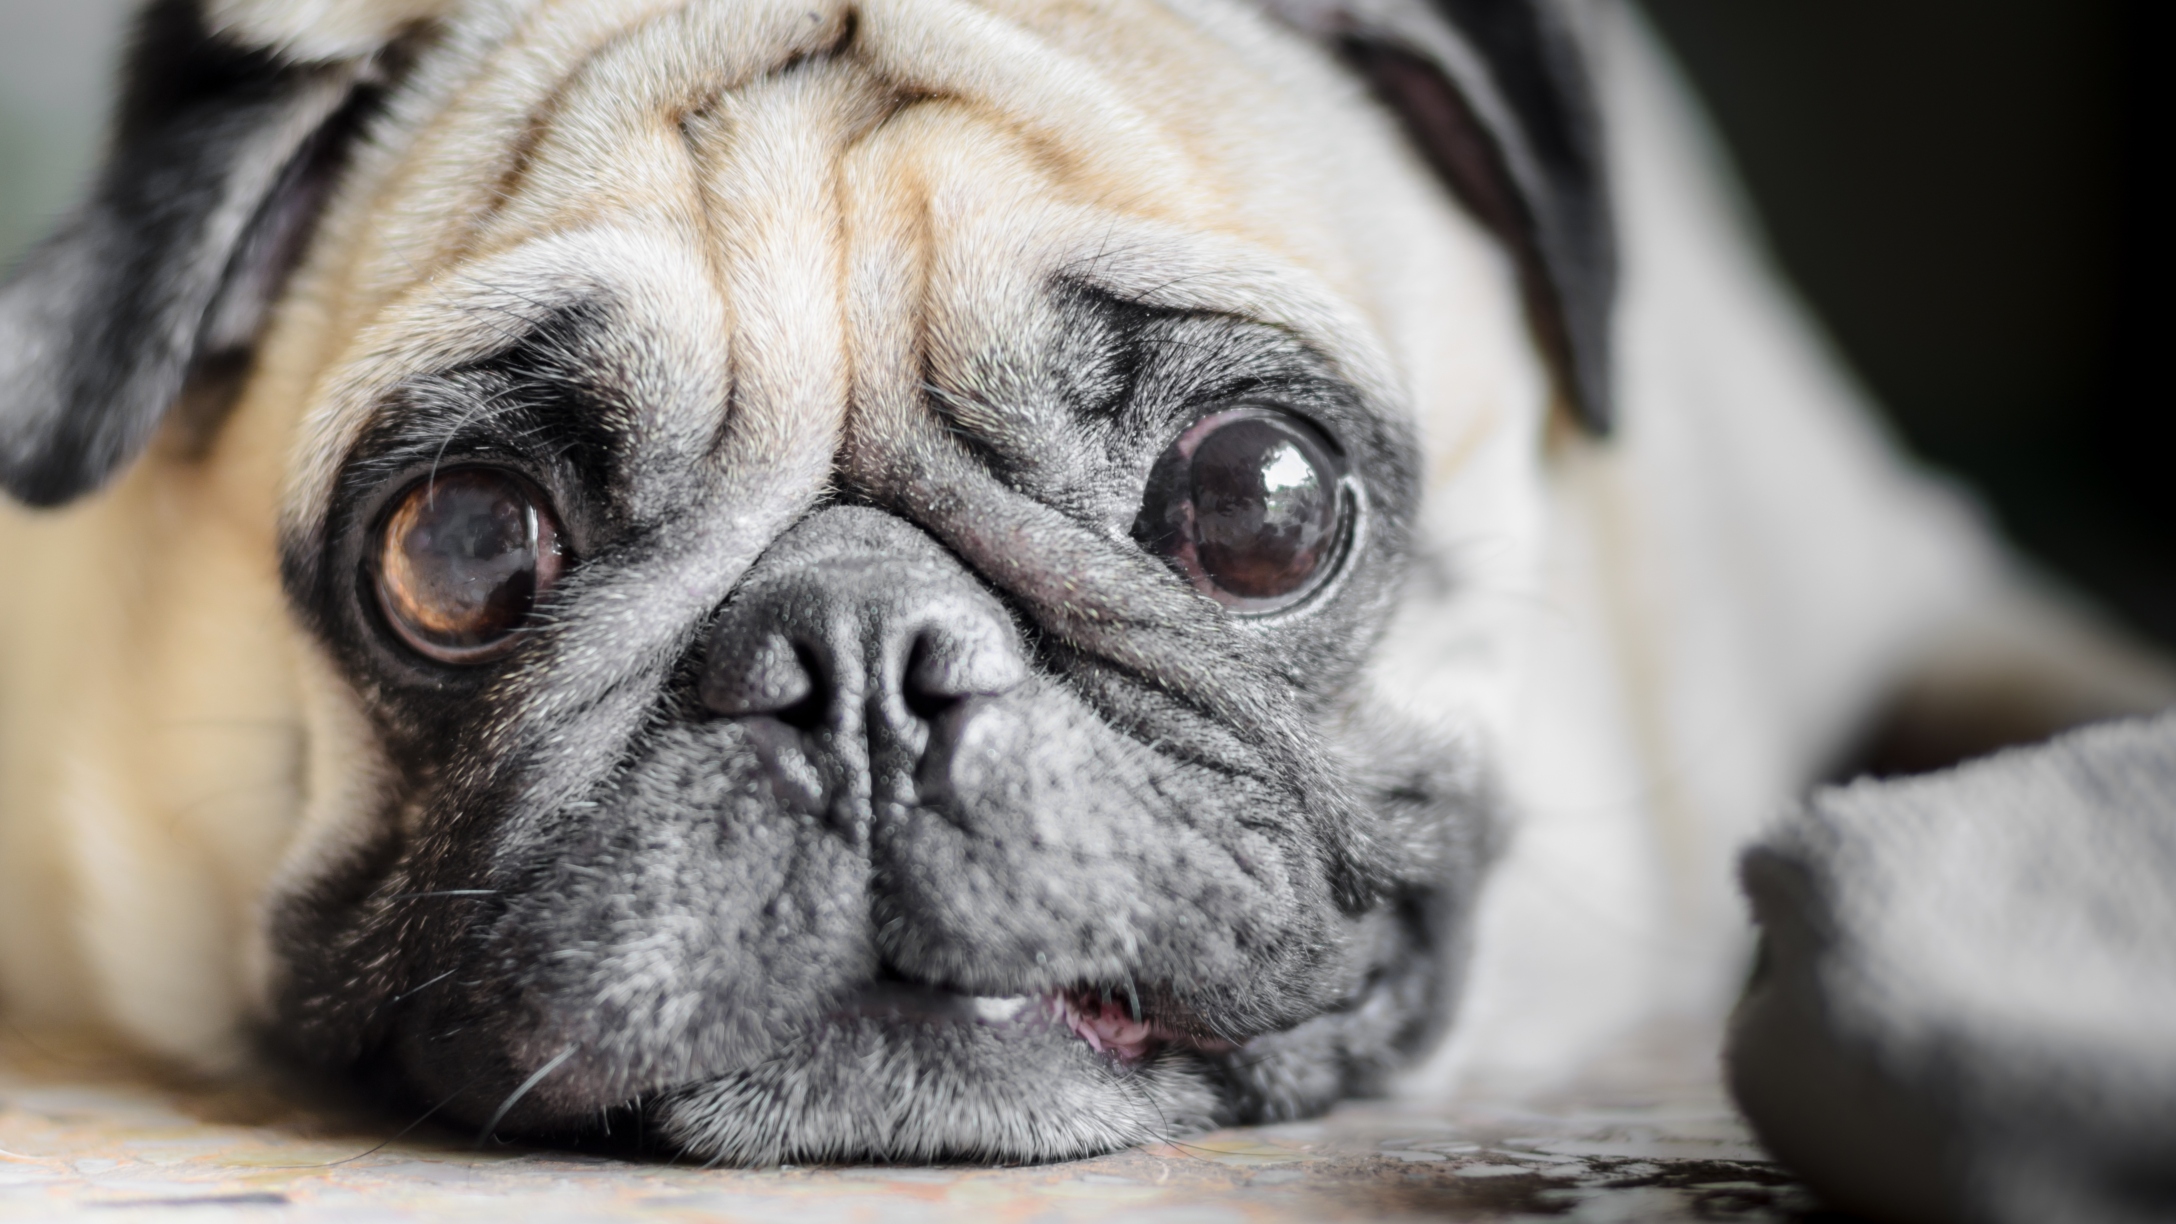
[
  {"x": 1495, "y": 95},
  {"x": 223, "y": 148}
]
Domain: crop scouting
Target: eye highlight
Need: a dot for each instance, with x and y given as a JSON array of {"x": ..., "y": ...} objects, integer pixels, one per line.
[
  {"x": 1251, "y": 505},
  {"x": 461, "y": 560}
]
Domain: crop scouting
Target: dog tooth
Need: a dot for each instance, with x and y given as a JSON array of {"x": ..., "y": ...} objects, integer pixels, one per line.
[{"x": 997, "y": 1011}]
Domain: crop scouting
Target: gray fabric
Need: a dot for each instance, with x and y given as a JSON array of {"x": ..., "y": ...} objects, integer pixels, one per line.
[{"x": 1966, "y": 1002}]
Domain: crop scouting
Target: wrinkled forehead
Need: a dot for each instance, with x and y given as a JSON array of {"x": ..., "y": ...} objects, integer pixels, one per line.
[{"x": 808, "y": 203}]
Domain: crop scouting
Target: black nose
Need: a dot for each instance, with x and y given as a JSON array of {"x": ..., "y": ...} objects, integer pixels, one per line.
[{"x": 853, "y": 635}]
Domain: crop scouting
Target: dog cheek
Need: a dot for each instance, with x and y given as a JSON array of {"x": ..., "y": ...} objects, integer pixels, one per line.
[{"x": 676, "y": 928}]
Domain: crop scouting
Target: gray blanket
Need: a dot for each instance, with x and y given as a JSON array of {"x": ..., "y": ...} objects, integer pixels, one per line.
[{"x": 1965, "y": 1007}]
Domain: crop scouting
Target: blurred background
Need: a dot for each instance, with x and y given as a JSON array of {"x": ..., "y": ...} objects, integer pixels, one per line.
[{"x": 1975, "y": 195}]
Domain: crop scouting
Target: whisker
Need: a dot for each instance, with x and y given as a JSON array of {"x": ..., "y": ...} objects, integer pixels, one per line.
[
  {"x": 391, "y": 1139},
  {"x": 508, "y": 1104},
  {"x": 1195, "y": 1150},
  {"x": 425, "y": 986},
  {"x": 446, "y": 892}
]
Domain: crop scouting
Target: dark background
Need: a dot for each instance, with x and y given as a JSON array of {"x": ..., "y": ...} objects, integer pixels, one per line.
[{"x": 1975, "y": 195}]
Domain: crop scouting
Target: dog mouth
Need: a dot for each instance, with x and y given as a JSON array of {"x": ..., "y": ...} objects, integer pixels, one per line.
[{"x": 1109, "y": 1022}]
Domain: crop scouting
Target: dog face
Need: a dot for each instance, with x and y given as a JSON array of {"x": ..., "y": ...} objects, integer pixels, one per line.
[{"x": 838, "y": 555}]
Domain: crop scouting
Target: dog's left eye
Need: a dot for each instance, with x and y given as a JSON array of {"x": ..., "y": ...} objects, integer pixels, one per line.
[
  {"x": 461, "y": 561},
  {"x": 1251, "y": 505}
]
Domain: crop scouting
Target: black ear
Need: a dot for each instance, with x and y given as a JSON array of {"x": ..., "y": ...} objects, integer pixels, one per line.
[
  {"x": 1495, "y": 94},
  {"x": 220, "y": 158}
]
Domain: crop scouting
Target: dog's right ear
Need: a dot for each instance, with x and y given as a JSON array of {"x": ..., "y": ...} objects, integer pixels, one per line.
[{"x": 221, "y": 154}]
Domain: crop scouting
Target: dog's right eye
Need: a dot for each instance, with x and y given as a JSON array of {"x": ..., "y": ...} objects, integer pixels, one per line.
[{"x": 461, "y": 560}]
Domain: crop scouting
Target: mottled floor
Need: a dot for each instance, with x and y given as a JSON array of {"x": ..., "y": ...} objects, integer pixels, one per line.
[{"x": 82, "y": 1132}]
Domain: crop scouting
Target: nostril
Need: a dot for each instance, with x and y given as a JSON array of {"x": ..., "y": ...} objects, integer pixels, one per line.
[
  {"x": 949, "y": 664},
  {"x": 930, "y": 680},
  {"x": 807, "y": 713},
  {"x": 772, "y": 675}
]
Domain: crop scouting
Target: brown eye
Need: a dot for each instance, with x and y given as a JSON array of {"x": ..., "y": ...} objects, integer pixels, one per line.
[
  {"x": 462, "y": 559},
  {"x": 1249, "y": 505}
]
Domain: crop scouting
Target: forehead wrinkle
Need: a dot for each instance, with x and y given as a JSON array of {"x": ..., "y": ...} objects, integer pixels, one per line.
[
  {"x": 1063, "y": 106},
  {"x": 1130, "y": 106},
  {"x": 999, "y": 240},
  {"x": 609, "y": 139},
  {"x": 483, "y": 117},
  {"x": 515, "y": 122},
  {"x": 770, "y": 153},
  {"x": 969, "y": 200},
  {"x": 884, "y": 206},
  {"x": 1041, "y": 97}
]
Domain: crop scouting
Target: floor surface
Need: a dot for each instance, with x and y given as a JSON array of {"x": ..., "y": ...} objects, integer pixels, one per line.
[{"x": 86, "y": 1134}]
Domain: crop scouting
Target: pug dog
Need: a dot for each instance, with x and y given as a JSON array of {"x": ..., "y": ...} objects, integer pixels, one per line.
[{"x": 918, "y": 579}]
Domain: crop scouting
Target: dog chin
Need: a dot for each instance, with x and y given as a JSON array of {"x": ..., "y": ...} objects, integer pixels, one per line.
[{"x": 918, "y": 1074}]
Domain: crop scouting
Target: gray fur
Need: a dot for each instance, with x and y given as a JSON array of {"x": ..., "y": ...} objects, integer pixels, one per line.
[{"x": 1963, "y": 1008}]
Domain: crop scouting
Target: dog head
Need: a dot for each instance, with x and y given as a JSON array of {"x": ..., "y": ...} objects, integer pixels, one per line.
[{"x": 842, "y": 559}]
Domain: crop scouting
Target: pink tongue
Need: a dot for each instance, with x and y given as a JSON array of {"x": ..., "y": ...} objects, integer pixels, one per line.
[{"x": 1105, "y": 1026}]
